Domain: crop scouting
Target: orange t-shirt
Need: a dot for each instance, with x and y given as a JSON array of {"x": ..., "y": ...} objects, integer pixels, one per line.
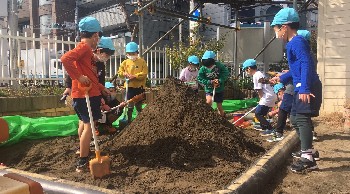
[{"x": 78, "y": 62}]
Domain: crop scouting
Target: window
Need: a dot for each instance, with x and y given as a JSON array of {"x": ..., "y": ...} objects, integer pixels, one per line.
[
  {"x": 45, "y": 24},
  {"x": 45, "y": 2}
]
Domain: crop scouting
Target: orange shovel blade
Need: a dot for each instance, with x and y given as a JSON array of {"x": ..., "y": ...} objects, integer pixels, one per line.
[
  {"x": 4, "y": 130},
  {"x": 100, "y": 166}
]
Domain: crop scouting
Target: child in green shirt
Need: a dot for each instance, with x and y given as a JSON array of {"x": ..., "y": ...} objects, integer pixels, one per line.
[{"x": 213, "y": 75}]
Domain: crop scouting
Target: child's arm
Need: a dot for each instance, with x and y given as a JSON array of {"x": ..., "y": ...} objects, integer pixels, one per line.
[
  {"x": 304, "y": 56},
  {"x": 202, "y": 78},
  {"x": 224, "y": 73},
  {"x": 144, "y": 72},
  {"x": 286, "y": 77},
  {"x": 122, "y": 70},
  {"x": 260, "y": 93},
  {"x": 182, "y": 75},
  {"x": 68, "y": 63}
]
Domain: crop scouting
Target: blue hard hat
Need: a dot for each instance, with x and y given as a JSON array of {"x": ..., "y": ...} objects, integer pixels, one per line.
[
  {"x": 193, "y": 59},
  {"x": 209, "y": 55},
  {"x": 131, "y": 47},
  {"x": 249, "y": 63},
  {"x": 285, "y": 16},
  {"x": 109, "y": 85},
  {"x": 277, "y": 87},
  {"x": 304, "y": 33},
  {"x": 106, "y": 43},
  {"x": 89, "y": 24}
]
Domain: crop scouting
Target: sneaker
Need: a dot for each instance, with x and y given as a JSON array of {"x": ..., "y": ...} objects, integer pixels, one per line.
[
  {"x": 258, "y": 128},
  {"x": 267, "y": 132},
  {"x": 303, "y": 164},
  {"x": 315, "y": 155},
  {"x": 275, "y": 137},
  {"x": 314, "y": 136},
  {"x": 82, "y": 164},
  {"x": 78, "y": 151}
]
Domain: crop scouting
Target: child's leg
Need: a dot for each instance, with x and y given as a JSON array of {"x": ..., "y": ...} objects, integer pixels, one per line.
[
  {"x": 305, "y": 129},
  {"x": 260, "y": 113},
  {"x": 209, "y": 99},
  {"x": 138, "y": 106},
  {"x": 281, "y": 121},
  {"x": 130, "y": 110},
  {"x": 85, "y": 140},
  {"x": 220, "y": 109},
  {"x": 80, "y": 128}
]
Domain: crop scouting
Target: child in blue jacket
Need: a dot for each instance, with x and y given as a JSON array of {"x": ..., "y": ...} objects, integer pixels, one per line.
[{"x": 307, "y": 85}]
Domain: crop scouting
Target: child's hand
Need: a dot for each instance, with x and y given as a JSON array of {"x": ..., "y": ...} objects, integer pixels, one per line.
[
  {"x": 274, "y": 80},
  {"x": 215, "y": 82},
  {"x": 122, "y": 104},
  {"x": 131, "y": 77},
  {"x": 84, "y": 80},
  {"x": 126, "y": 75},
  {"x": 67, "y": 91},
  {"x": 106, "y": 92}
]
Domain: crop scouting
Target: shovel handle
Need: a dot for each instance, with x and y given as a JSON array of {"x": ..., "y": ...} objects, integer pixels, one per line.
[{"x": 244, "y": 115}]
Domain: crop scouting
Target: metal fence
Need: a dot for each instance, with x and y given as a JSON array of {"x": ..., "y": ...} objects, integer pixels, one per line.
[{"x": 38, "y": 59}]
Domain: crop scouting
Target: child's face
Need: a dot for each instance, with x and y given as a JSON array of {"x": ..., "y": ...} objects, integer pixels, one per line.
[
  {"x": 192, "y": 67},
  {"x": 112, "y": 90},
  {"x": 249, "y": 71},
  {"x": 281, "y": 32},
  {"x": 95, "y": 39},
  {"x": 102, "y": 57},
  {"x": 280, "y": 94},
  {"x": 132, "y": 56}
]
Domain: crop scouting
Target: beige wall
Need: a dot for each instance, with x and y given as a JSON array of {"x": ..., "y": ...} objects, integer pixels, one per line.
[{"x": 333, "y": 52}]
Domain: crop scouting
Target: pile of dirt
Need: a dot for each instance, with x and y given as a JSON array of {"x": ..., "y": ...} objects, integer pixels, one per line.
[{"x": 178, "y": 144}]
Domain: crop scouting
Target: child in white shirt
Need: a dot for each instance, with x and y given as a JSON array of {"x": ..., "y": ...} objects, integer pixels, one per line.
[{"x": 266, "y": 95}]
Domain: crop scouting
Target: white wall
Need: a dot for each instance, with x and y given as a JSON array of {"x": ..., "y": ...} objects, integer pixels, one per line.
[{"x": 333, "y": 52}]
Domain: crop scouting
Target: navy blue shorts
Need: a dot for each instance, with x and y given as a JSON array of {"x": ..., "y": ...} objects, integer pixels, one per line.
[
  {"x": 262, "y": 110},
  {"x": 133, "y": 92},
  {"x": 80, "y": 107},
  {"x": 312, "y": 108},
  {"x": 287, "y": 102},
  {"x": 218, "y": 98}
]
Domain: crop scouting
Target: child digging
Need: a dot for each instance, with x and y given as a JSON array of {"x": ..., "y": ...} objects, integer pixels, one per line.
[
  {"x": 135, "y": 70},
  {"x": 79, "y": 66},
  {"x": 213, "y": 75},
  {"x": 307, "y": 85},
  {"x": 266, "y": 95},
  {"x": 190, "y": 73}
]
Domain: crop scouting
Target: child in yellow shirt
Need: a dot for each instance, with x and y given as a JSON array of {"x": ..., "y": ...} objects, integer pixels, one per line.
[{"x": 134, "y": 70}]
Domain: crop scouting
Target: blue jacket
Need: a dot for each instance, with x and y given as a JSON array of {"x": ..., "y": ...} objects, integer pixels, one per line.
[{"x": 301, "y": 66}]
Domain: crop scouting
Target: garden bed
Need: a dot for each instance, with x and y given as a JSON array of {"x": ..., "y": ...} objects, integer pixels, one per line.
[{"x": 178, "y": 144}]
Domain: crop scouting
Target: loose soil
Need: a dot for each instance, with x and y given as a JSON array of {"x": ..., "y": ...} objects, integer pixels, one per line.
[
  {"x": 334, "y": 167},
  {"x": 178, "y": 144}
]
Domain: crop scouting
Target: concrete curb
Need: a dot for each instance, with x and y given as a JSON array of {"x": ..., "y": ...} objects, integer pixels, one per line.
[
  {"x": 52, "y": 185},
  {"x": 261, "y": 172}
]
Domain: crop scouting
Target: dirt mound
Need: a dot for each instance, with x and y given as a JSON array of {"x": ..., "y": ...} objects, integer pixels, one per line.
[
  {"x": 178, "y": 144},
  {"x": 179, "y": 130}
]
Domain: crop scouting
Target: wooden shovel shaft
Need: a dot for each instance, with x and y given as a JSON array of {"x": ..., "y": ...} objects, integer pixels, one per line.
[{"x": 91, "y": 121}]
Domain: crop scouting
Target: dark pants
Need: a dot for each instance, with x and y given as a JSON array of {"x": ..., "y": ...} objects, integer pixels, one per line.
[
  {"x": 131, "y": 93},
  {"x": 284, "y": 110},
  {"x": 302, "y": 113},
  {"x": 260, "y": 113},
  {"x": 281, "y": 122}
]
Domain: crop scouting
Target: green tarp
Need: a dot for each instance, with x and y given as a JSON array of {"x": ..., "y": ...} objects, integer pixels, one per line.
[{"x": 43, "y": 127}]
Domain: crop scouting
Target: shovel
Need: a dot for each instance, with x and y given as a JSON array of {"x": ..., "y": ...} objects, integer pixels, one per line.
[
  {"x": 135, "y": 99},
  {"x": 124, "y": 121},
  {"x": 244, "y": 115},
  {"x": 4, "y": 130},
  {"x": 99, "y": 166}
]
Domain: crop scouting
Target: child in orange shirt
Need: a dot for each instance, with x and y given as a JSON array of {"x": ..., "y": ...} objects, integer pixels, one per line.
[{"x": 79, "y": 66}]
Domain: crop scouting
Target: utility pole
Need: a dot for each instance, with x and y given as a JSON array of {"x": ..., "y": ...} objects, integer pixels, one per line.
[
  {"x": 140, "y": 28},
  {"x": 77, "y": 37},
  {"x": 13, "y": 28}
]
